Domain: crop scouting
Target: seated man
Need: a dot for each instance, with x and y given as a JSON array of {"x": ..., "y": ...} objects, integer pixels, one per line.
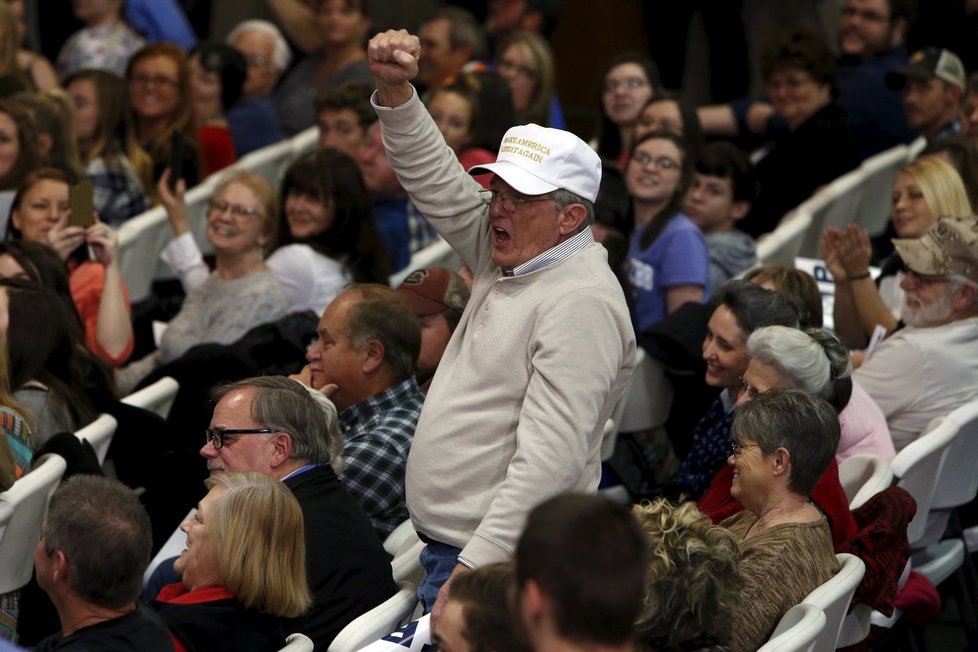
[
  {"x": 933, "y": 83},
  {"x": 368, "y": 347},
  {"x": 477, "y": 613},
  {"x": 720, "y": 196},
  {"x": 272, "y": 425},
  {"x": 343, "y": 115},
  {"x": 437, "y": 296},
  {"x": 580, "y": 568},
  {"x": 95, "y": 545},
  {"x": 929, "y": 368}
]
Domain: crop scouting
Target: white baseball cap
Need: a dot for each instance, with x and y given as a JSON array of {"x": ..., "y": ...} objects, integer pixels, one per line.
[{"x": 536, "y": 160}]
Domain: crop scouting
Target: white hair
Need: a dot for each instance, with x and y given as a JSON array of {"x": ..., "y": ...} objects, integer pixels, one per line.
[{"x": 281, "y": 56}]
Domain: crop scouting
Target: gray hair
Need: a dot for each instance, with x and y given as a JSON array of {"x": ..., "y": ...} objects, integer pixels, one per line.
[
  {"x": 105, "y": 534},
  {"x": 803, "y": 424},
  {"x": 281, "y": 55},
  {"x": 464, "y": 30},
  {"x": 562, "y": 198},
  {"x": 284, "y": 405},
  {"x": 812, "y": 360}
]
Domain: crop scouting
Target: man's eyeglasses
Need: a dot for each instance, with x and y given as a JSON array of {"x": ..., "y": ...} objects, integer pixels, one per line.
[
  {"x": 217, "y": 436},
  {"x": 736, "y": 448},
  {"x": 661, "y": 162},
  {"x": 752, "y": 392},
  {"x": 509, "y": 203},
  {"x": 237, "y": 210}
]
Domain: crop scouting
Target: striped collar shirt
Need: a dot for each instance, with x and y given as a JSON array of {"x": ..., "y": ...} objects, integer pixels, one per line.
[{"x": 554, "y": 255}]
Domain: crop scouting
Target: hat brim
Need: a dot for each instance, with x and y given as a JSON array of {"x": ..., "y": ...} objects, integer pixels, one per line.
[
  {"x": 920, "y": 255},
  {"x": 520, "y": 180},
  {"x": 896, "y": 79}
]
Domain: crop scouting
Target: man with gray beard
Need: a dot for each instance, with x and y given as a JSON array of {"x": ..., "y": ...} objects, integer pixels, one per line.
[{"x": 930, "y": 367}]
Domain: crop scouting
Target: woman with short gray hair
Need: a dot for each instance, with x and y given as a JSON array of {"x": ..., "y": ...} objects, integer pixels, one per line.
[{"x": 817, "y": 363}]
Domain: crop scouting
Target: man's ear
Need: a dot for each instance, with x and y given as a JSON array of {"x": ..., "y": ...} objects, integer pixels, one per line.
[
  {"x": 739, "y": 210},
  {"x": 965, "y": 297},
  {"x": 372, "y": 355},
  {"x": 571, "y": 219},
  {"x": 281, "y": 448},
  {"x": 59, "y": 566}
]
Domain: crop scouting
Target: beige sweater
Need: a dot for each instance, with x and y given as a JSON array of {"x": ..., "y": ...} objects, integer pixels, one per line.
[
  {"x": 516, "y": 410},
  {"x": 779, "y": 567}
]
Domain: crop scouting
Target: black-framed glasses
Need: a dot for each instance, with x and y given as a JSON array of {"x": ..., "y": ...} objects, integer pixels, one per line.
[
  {"x": 736, "y": 448},
  {"x": 217, "y": 435},
  {"x": 752, "y": 392},
  {"x": 510, "y": 203}
]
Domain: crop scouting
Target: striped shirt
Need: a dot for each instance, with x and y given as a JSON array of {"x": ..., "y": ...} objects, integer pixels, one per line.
[{"x": 554, "y": 255}]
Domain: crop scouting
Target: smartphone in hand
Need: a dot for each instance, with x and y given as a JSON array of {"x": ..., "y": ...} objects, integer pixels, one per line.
[
  {"x": 81, "y": 201},
  {"x": 176, "y": 159}
]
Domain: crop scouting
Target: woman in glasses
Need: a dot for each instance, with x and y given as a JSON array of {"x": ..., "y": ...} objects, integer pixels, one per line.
[
  {"x": 629, "y": 82},
  {"x": 782, "y": 444},
  {"x": 160, "y": 101},
  {"x": 242, "y": 292},
  {"x": 668, "y": 261},
  {"x": 325, "y": 237}
]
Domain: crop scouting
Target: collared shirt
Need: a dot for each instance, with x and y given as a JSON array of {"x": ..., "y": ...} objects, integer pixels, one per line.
[
  {"x": 377, "y": 434},
  {"x": 554, "y": 255}
]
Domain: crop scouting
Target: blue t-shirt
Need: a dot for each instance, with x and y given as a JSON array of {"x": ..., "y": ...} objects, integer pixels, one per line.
[{"x": 679, "y": 256}]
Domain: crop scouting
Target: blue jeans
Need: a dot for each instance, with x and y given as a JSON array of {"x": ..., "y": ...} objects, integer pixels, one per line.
[{"x": 438, "y": 560}]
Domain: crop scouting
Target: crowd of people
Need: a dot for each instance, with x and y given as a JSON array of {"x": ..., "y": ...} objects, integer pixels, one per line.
[{"x": 471, "y": 402}]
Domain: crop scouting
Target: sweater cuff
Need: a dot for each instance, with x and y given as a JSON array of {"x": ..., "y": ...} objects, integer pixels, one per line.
[
  {"x": 181, "y": 253},
  {"x": 400, "y": 119},
  {"x": 480, "y": 551}
]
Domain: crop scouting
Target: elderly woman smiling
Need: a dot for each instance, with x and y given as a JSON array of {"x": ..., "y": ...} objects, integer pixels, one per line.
[
  {"x": 782, "y": 443},
  {"x": 243, "y": 571}
]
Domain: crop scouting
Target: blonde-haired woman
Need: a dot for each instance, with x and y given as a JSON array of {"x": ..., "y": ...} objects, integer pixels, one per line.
[
  {"x": 242, "y": 292},
  {"x": 692, "y": 587},
  {"x": 243, "y": 572},
  {"x": 21, "y": 69},
  {"x": 526, "y": 62},
  {"x": 924, "y": 190}
]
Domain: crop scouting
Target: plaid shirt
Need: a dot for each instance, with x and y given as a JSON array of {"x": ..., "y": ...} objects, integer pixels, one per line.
[
  {"x": 119, "y": 193},
  {"x": 420, "y": 233},
  {"x": 377, "y": 436}
]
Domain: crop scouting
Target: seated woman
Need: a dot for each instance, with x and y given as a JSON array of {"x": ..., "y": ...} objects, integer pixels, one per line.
[
  {"x": 477, "y": 617},
  {"x": 40, "y": 214},
  {"x": 20, "y": 69},
  {"x": 668, "y": 261},
  {"x": 326, "y": 235},
  {"x": 106, "y": 42},
  {"x": 924, "y": 190},
  {"x": 456, "y": 110},
  {"x": 801, "y": 78},
  {"x": 55, "y": 125},
  {"x": 241, "y": 292},
  {"x": 243, "y": 570},
  {"x": 670, "y": 112},
  {"x": 738, "y": 309},
  {"x": 120, "y": 169},
  {"x": 815, "y": 361},
  {"x": 18, "y": 131},
  {"x": 60, "y": 385},
  {"x": 628, "y": 83},
  {"x": 692, "y": 588},
  {"x": 527, "y": 64},
  {"x": 782, "y": 443},
  {"x": 218, "y": 74},
  {"x": 798, "y": 287}
]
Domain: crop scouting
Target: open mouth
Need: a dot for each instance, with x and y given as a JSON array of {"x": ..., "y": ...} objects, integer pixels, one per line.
[{"x": 499, "y": 235}]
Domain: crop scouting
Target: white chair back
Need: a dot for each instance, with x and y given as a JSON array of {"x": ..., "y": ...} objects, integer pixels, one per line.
[
  {"x": 833, "y": 598},
  {"x": 917, "y": 468},
  {"x": 832, "y": 205},
  {"x": 783, "y": 245},
  {"x": 172, "y": 548},
  {"x": 383, "y": 619},
  {"x": 437, "y": 254},
  {"x": 268, "y": 162},
  {"x": 406, "y": 565},
  {"x": 302, "y": 143},
  {"x": 298, "y": 643},
  {"x": 157, "y": 397},
  {"x": 99, "y": 434},
  {"x": 22, "y": 510},
  {"x": 863, "y": 476},
  {"x": 402, "y": 538},
  {"x": 958, "y": 483},
  {"x": 797, "y": 630}
]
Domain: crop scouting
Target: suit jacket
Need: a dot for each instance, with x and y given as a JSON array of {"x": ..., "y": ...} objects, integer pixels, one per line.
[{"x": 348, "y": 569}]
